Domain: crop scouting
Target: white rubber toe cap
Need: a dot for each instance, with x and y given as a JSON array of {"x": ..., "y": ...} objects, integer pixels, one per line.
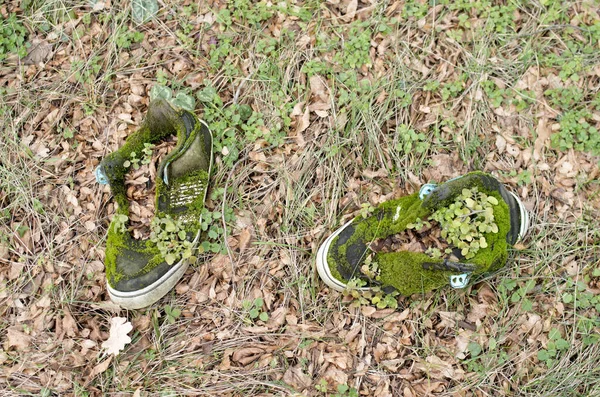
[
  {"x": 524, "y": 218},
  {"x": 323, "y": 266}
]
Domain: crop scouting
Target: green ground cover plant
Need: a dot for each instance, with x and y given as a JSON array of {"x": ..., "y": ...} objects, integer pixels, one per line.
[{"x": 13, "y": 36}]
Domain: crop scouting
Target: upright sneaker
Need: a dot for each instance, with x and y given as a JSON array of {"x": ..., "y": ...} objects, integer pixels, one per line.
[
  {"x": 350, "y": 252},
  {"x": 140, "y": 272}
]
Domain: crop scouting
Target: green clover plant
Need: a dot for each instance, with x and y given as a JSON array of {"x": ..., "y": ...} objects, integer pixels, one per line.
[
  {"x": 464, "y": 223},
  {"x": 170, "y": 238}
]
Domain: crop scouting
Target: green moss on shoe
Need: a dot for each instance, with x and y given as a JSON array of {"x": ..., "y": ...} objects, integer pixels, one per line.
[
  {"x": 404, "y": 270},
  {"x": 388, "y": 218},
  {"x": 159, "y": 123},
  {"x": 123, "y": 246}
]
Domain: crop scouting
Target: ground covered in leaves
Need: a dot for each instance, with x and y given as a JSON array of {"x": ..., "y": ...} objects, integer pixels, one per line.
[{"x": 317, "y": 107}]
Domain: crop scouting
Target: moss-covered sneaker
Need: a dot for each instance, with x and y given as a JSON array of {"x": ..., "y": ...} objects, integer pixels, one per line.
[
  {"x": 139, "y": 272},
  {"x": 468, "y": 223}
]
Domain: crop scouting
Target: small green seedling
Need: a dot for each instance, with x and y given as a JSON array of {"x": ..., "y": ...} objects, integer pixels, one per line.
[
  {"x": 556, "y": 344},
  {"x": 366, "y": 209},
  {"x": 374, "y": 295},
  {"x": 147, "y": 153},
  {"x": 172, "y": 313},
  {"x": 254, "y": 309},
  {"x": 464, "y": 223},
  {"x": 344, "y": 390},
  {"x": 133, "y": 161},
  {"x": 120, "y": 222},
  {"x": 142, "y": 10},
  {"x": 180, "y": 101},
  {"x": 12, "y": 37},
  {"x": 321, "y": 386},
  {"x": 170, "y": 238}
]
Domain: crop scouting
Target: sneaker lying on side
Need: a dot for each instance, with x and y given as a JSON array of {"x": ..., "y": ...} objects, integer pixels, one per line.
[
  {"x": 140, "y": 272},
  {"x": 348, "y": 253}
]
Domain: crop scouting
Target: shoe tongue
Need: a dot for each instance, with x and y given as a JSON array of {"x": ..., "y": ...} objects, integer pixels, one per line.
[
  {"x": 192, "y": 157},
  {"x": 161, "y": 118}
]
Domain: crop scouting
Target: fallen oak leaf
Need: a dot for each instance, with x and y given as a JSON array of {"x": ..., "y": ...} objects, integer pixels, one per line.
[
  {"x": 17, "y": 339},
  {"x": 118, "y": 338},
  {"x": 98, "y": 369},
  {"x": 304, "y": 121}
]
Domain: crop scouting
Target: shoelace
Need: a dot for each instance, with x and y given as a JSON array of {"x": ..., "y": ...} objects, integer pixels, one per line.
[{"x": 449, "y": 265}]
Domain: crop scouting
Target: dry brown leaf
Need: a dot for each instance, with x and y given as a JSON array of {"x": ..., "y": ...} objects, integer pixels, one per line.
[
  {"x": 354, "y": 330},
  {"x": 350, "y": 13},
  {"x": 500, "y": 143},
  {"x": 335, "y": 376},
  {"x": 18, "y": 339},
  {"x": 277, "y": 318},
  {"x": 462, "y": 341},
  {"x": 100, "y": 368},
  {"x": 303, "y": 122},
  {"x": 296, "y": 378},
  {"x": 38, "y": 53},
  {"x": 379, "y": 351},
  {"x": 297, "y": 110},
  {"x": 427, "y": 388},
  {"x": 247, "y": 355},
  {"x": 448, "y": 319},
  {"x": 381, "y": 173},
  {"x": 319, "y": 90},
  {"x": 244, "y": 239},
  {"x": 4, "y": 249},
  {"x": 435, "y": 367},
  {"x": 367, "y": 310},
  {"x": 478, "y": 312},
  {"x": 90, "y": 226},
  {"x": 394, "y": 364},
  {"x": 69, "y": 324}
]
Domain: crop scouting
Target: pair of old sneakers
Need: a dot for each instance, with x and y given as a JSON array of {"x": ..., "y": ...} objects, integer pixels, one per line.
[{"x": 139, "y": 272}]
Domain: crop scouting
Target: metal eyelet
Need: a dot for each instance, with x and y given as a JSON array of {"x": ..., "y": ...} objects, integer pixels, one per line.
[
  {"x": 100, "y": 176},
  {"x": 426, "y": 190},
  {"x": 459, "y": 281}
]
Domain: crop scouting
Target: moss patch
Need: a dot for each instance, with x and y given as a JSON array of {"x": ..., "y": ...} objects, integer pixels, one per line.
[
  {"x": 130, "y": 251},
  {"x": 404, "y": 270}
]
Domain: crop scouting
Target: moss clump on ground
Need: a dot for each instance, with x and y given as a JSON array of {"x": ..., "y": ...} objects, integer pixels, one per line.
[{"x": 404, "y": 270}]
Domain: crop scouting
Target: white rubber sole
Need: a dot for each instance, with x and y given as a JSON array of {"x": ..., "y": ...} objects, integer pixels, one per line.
[
  {"x": 152, "y": 293},
  {"x": 155, "y": 291},
  {"x": 524, "y": 218}
]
